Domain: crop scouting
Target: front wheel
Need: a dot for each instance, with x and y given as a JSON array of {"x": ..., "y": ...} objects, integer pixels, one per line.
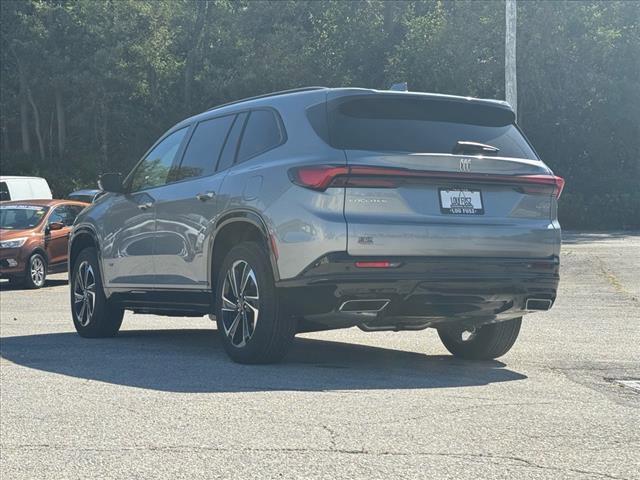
[
  {"x": 36, "y": 274},
  {"x": 481, "y": 343},
  {"x": 94, "y": 316},
  {"x": 251, "y": 324}
]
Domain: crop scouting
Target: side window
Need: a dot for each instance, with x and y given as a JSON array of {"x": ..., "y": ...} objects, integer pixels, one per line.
[
  {"x": 4, "y": 192},
  {"x": 65, "y": 214},
  {"x": 262, "y": 133},
  {"x": 60, "y": 215},
  {"x": 154, "y": 170},
  {"x": 74, "y": 211},
  {"x": 203, "y": 150},
  {"x": 229, "y": 151}
]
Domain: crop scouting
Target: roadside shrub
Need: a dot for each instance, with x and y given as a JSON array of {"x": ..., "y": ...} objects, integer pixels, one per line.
[{"x": 601, "y": 211}]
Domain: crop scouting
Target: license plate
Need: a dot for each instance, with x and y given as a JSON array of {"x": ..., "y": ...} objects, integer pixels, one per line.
[{"x": 461, "y": 202}]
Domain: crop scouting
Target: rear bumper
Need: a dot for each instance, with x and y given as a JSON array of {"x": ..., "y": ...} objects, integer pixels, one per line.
[{"x": 420, "y": 291}]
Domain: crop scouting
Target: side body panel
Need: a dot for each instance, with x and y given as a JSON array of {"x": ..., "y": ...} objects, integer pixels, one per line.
[
  {"x": 125, "y": 233},
  {"x": 184, "y": 231}
]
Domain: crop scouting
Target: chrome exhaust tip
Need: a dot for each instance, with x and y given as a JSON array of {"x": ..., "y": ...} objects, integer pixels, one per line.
[
  {"x": 540, "y": 304},
  {"x": 364, "y": 306}
]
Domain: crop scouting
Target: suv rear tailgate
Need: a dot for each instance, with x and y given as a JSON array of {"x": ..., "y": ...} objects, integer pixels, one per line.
[{"x": 406, "y": 203}]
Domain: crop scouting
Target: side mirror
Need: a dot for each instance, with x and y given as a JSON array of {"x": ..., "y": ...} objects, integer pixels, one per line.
[
  {"x": 56, "y": 226},
  {"x": 111, "y": 182}
]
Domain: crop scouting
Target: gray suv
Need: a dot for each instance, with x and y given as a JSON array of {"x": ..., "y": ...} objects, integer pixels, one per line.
[{"x": 323, "y": 208}]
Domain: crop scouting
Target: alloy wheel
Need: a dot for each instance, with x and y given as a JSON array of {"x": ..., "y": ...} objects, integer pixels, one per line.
[
  {"x": 240, "y": 303},
  {"x": 37, "y": 271},
  {"x": 84, "y": 293}
]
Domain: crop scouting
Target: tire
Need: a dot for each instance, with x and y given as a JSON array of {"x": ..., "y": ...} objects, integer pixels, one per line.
[
  {"x": 93, "y": 315},
  {"x": 485, "y": 343},
  {"x": 36, "y": 273},
  {"x": 251, "y": 324}
]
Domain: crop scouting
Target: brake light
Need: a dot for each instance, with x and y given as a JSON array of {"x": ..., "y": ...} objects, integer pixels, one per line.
[
  {"x": 321, "y": 177},
  {"x": 317, "y": 177},
  {"x": 542, "y": 183}
]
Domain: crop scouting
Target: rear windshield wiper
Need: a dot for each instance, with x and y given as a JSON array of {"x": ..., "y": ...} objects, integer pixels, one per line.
[{"x": 469, "y": 148}]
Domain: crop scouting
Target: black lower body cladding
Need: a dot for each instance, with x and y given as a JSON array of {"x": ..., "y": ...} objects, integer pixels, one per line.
[{"x": 419, "y": 292}]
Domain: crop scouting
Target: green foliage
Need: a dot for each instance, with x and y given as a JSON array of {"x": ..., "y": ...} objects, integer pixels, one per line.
[
  {"x": 613, "y": 210},
  {"x": 104, "y": 78}
]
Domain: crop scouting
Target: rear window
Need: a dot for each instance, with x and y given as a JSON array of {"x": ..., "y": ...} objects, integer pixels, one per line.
[{"x": 418, "y": 125}]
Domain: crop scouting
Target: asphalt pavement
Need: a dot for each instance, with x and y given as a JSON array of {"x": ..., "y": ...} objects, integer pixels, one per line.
[{"x": 162, "y": 400}]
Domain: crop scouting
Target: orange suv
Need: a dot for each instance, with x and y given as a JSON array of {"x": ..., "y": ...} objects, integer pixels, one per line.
[{"x": 33, "y": 239}]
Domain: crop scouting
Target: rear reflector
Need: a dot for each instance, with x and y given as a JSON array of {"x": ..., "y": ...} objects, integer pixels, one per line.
[
  {"x": 321, "y": 177},
  {"x": 376, "y": 264}
]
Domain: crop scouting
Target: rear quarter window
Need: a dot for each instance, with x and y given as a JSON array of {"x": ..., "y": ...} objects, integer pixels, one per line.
[{"x": 263, "y": 131}]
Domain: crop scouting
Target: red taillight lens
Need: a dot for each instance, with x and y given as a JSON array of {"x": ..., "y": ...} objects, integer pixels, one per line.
[
  {"x": 316, "y": 177},
  {"x": 542, "y": 184},
  {"x": 377, "y": 264},
  {"x": 321, "y": 177},
  {"x": 559, "y": 186}
]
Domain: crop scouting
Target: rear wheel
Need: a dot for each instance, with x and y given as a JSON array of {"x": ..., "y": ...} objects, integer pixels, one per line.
[
  {"x": 251, "y": 324},
  {"x": 481, "y": 343},
  {"x": 36, "y": 274},
  {"x": 93, "y": 315}
]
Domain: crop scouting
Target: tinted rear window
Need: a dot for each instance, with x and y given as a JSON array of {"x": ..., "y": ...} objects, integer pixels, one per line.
[{"x": 421, "y": 126}]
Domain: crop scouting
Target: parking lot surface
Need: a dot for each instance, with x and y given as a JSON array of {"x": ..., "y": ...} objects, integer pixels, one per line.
[{"x": 162, "y": 400}]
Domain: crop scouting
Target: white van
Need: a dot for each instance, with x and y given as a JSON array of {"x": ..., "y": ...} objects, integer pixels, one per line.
[{"x": 24, "y": 188}]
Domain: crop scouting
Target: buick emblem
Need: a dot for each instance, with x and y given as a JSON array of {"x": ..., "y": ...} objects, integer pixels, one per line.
[{"x": 465, "y": 164}]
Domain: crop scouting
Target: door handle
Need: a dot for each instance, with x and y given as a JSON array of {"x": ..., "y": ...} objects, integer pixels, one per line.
[
  {"x": 203, "y": 197},
  {"x": 145, "y": 206}
]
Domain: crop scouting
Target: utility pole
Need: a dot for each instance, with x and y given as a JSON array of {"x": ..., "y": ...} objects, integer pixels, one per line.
[{"x": 510, "y": 80}]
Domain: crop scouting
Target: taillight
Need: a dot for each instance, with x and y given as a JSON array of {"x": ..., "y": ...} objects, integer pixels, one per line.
[
  {"x": 316, "y": 177},
  {"x": 321, "y": 177},
  {"x": 537, "y": 184}
]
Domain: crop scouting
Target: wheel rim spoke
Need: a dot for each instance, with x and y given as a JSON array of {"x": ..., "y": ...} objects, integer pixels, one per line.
[
  {"x": 246, "y": 272},
  {"x": 245, "y": 327},
  {"x": 81, "y": 314},
  {"x": 227, "y": 304},
  {"x": 232, "y": 282},
  {"x": 234, "y": 326}
]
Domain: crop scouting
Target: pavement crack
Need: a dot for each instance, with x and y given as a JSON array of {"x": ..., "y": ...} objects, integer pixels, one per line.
[
  {"x": 332, "y": 436},
  {"x": 518, "y": 461},
  {"x": 614, "y": 281}
]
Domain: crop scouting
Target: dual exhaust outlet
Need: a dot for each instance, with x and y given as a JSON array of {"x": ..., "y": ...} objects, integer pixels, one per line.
[
  {"x": 364, "y": 306},
  {"x": 374, "y": 306},
  {"x": 538, "y": 304}
]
